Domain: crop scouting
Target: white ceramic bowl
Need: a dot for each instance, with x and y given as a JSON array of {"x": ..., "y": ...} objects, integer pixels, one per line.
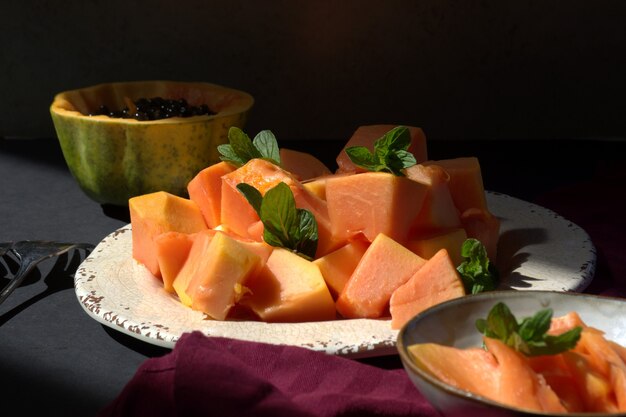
[{"x": 453, "y": 324}]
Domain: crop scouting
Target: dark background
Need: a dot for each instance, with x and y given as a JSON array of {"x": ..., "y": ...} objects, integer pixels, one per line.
[{"x": 318, "y": 69}]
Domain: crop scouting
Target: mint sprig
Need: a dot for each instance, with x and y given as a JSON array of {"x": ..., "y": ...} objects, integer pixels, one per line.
[
  {"x": 241, "y": 149},
  {"x": 477, "y": 272},
  {"x": 285, "y": 225},
  {"x": 390, "y": 153},
  {"x": 528, "y": 336}
]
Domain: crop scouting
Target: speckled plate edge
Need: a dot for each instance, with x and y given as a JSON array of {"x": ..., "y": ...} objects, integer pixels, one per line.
[{"x": 539, "y": 250}]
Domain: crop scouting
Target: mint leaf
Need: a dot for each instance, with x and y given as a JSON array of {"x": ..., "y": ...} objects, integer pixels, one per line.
[
  {"x": 228, "y": 154},
  {"x": 477, "y": 272},
  {"x": 528, "y": 336},
  {"x": 285, "y": 225},
  {"x": 390, "y": 153},
  {"x": 267, "y": 145},
  {"x": 279, "y": 216},
  {"x": 362, "y": 157},
  {"x": 241, "y": 149},
  {"x": 253, "y": 196},
  {"x": 306, "y": 243}
]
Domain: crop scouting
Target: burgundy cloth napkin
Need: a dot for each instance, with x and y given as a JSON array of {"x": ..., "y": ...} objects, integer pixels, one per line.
[{"x": 212, "y": 376}]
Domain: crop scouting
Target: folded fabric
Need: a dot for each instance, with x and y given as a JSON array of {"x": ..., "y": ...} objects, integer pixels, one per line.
[{"x": 212, "y": 376}]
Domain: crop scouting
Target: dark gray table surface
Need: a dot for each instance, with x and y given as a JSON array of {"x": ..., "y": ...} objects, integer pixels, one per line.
[{"x": 57, "y": 360}]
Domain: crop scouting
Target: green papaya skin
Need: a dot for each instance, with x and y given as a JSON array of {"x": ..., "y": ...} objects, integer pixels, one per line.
[{"x": 116, "y": 159}]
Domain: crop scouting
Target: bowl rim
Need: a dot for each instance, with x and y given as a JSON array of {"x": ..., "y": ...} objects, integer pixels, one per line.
[
  {"x": 477, "y": 399},
  {"x": 57, "y": 108}
]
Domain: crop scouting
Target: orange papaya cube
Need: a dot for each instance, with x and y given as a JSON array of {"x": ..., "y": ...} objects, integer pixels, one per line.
[
  {"x": 206, "y": 190},
  {"x": 172, "y": 249},
  {"x": 255, "y": 231},
  {"x": 428, "y": 245},
  {"x": 438, "y": 211},
  {"x": 260, "y": 248},
  {"x": 159, "y": 212},
  {"x": 372, "y": 203},
  {"x": 216, "y": 282},
  {"x": 317, "y": 187},
  {"x": 337, "y": 266},
  {"x": 518, "y": 384},
  {"x": 289, "y": 288},
  {"x": 199, "y": 249},
  {"x": 484, "y": 226},
  {"x": 327, "y": 240},
  {"x": 435, "y": 282},
  {"x": 385, "y": 265},
  {"x": 466, "y": 181},
  {"x": 474, "y": 369},
  {"x": 367, "y": 135},
  {"x": 216, "y": 273},
  {"x": 239, "y": 216},
  {"x": 236, "y": 213},
  {"x": 302, "y": 165}
]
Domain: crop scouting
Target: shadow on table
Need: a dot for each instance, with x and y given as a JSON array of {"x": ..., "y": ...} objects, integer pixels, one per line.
[
  {"x": 116, "y": 212},
  {"x": 135, "y": 344},
  {"x": 59, "y": 278},
  {"x": 32, "y": 392}
]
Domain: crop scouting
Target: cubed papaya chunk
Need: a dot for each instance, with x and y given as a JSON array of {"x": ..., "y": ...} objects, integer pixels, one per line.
[
  {"x": 466, "y": 181},
  {"x": 289, "y": 288},
  {"x": 239, "y": 216},
  {"x": 438, "y": 211},
  {"x": 385, "y": 265},
  {"x": 217, "y": 277},
  {"x": 172, "y": 250},
  {"x": 337, "y": 266},
  {"x": 435, "y": 282},
  {"x": 302, "y": 165},
  {"x": 155, "y": 213},
  {"x": 372, "y": 203},
  {"x": 483, "y": 226},
  {"x": 206, "y": 190},
  {"x": 197, "y": 253},
  {"x": 427, "y": 245}
]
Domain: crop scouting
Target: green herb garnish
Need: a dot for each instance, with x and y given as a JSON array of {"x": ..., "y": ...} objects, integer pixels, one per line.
[
  {"x": 241, "y": 149},
  {"x": 390, "y": 153},
  {"x": 528, "y": 336},
  {"x": 477, "y": 272},
  {"x": 286, "y": 225}
]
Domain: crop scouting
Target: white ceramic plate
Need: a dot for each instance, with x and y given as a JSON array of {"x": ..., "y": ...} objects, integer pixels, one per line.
[{"x": 539, "y": 250}]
